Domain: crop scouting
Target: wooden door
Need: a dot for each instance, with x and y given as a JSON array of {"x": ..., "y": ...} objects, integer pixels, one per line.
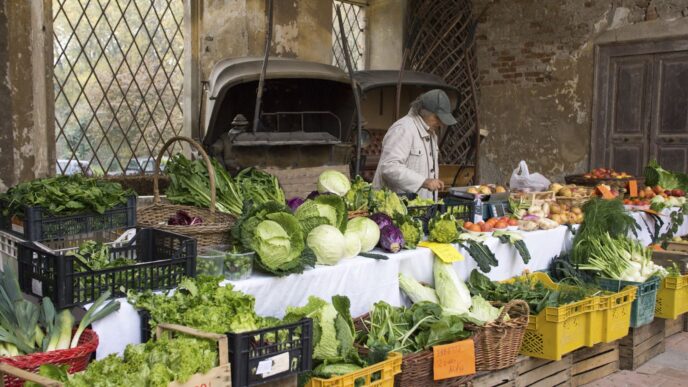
[
  {"x": 640, "y": 106},
  {"x": 669, "y": 134}
]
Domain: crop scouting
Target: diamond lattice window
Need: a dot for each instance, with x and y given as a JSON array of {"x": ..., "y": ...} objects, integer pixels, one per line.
[
  {"x": 353, "y": 18},
  {"x": 118, "y": 81}
]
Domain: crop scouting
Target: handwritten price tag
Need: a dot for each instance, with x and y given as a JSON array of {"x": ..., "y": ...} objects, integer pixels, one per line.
[
  {"x": 606, "y": 193},
  {"x": 445, "y": 251},
  {"x": 452, "y": 360},
  {"x": 633, "y": 188}
]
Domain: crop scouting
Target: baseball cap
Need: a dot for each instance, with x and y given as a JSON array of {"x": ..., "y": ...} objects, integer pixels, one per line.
[{"x": 437, "y": 102}]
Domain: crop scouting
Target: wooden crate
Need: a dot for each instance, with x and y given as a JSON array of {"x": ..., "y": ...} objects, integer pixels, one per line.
[
  {"x": 641, "y": 345},
  {"x": 672, "y": 327},
  {"x": 593, "y": 363},
  {"x": 499, "y": 378},
  {"x": 543, "y": 373}
]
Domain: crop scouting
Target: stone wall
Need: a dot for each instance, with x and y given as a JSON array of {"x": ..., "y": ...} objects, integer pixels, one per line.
[{"x": 536, "y": 76}]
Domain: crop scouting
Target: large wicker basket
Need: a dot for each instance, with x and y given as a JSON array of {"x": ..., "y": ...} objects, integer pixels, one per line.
[
  {"x": 416, "y": 368},
  {"x": 497, "y": 343},
  {"x": 76, "y": 358},
  {"x": 216, "y": 226}
]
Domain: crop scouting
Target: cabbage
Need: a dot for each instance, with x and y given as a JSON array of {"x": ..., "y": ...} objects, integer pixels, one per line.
[
  {"x": 333, "y": 182},
  {"x": 416, "y": 291},
  {"x": 328, "y": 244},
  {"x": 311, "y": 215},
  {"x": 484, "y": 311},
  {"x": 353, "y": 245},
  {"x": 451, "y": 291},
  {"x": 366, "y": 230}
]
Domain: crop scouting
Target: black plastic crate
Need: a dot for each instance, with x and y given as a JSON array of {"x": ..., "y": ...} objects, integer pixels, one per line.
[
  {"x": 163, "y": 259},
  {"x": 423, "y": 213},
  {"x": 462, "y": 209},
  {"x": 293, "y": 350},
  {"x": 38, "y": 225}
]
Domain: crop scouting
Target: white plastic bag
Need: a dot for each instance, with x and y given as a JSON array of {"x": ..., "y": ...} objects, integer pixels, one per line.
[{"x": 523, "y": 180}]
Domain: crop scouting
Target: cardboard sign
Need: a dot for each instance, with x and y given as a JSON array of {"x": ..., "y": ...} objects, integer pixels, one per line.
[
  {"x": 445, "y": 251},
  {"x": 606, "y": 193},
  {"x": 452, "y": 360},
  {"x": 633, "y": 188}
]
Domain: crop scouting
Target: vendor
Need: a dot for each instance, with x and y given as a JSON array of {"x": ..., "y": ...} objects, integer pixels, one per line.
[{"x": 408, "y": 163}]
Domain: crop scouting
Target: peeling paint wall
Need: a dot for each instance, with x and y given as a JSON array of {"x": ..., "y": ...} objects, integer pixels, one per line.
[
  {"x": 536, "y": 76},
  {"x": 233, "y": 28}
]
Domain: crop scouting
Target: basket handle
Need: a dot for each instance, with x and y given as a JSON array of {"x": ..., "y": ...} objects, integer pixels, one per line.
[
  {"x": 6, "y": 369},
  {"x": 208, "y": 165},
  {"x": 513, "y": 303},
  {"x": 222, "y": 343}
]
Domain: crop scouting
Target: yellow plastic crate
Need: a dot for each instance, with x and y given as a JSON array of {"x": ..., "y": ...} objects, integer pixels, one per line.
[
  {"x": 612, "y": 316},
  {"x": 554, "y": 332},
  {"x": 672, "y": 297},
  {"x": 382, "y": 372}
]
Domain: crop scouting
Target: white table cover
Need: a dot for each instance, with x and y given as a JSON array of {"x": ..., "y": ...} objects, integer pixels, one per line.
[{"x": 364, "y": 280}]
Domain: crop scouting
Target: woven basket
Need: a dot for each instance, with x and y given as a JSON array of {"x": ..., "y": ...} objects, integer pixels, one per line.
[
  {"x": 416, "y": 368},
  {"x": 216, "y": 226},
  {"x": 357, "y": 214},
  {"x": 497, "y": 343},
  {"x": 76, "y": 358}
]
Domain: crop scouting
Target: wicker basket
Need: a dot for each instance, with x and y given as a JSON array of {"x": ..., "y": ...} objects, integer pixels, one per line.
[
  {"x": 416, "y": 368},
  {"x": 76, "y": 358},
  {"x": 528, "y": 199},
  {"x": 497, "y": 343},
  {"x": 357, "y": 214},
  {"x": 216, "y": 226}
]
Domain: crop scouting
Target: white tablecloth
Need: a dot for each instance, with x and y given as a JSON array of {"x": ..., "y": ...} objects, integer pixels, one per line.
[{"x": 364, "y": 280}]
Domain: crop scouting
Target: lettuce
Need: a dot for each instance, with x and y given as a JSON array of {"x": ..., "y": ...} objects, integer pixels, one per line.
[
  {"x": 484, "y": 311},
  {"x": 656, "y": 175},
  {"x": 452, "y": 292}
]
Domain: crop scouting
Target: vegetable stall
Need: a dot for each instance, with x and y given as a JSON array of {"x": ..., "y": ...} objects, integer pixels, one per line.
[{"x": 338, "y": 283}]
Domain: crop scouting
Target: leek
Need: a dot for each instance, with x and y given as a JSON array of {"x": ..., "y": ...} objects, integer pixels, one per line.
[
  {"x": 65, "y": 322},
  {"x": 94, "y": 313}
]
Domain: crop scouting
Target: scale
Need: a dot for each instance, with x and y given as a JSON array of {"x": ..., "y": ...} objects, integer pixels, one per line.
[{"x": 486, "y": 206}]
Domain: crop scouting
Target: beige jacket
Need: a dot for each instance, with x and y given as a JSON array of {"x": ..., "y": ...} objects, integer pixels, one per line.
[{"x": 409, "y": 156}]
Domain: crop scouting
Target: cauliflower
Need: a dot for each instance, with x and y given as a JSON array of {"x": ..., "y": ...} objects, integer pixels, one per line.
[
  {"x": 443, "y": 229},
  {"x": 412, "y": 233}
]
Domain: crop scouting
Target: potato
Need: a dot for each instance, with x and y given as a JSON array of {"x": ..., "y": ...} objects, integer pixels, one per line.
[
  {"x": 485, "y": 190},
  {"x": 555, "y": 187},
  {"x": 577, "y": 211},
  {"x": 557, "y": 218},
  {"x": 566, "y": 192},
  {"x": 473, "y": 191},
  {"x": 500, "y": 189},
  {"x": 555, "y": 209}
]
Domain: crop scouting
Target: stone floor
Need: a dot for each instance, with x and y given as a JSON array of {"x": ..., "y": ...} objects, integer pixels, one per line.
[{"x": 666, "y": 370}]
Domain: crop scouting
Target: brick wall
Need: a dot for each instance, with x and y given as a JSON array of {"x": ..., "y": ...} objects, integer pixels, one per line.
[{"x": 535, "y": 60}]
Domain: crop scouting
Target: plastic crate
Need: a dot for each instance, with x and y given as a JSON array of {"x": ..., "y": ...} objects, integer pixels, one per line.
[
  {"x": 461, "y": 209},
  {"x": 39, "y": 226},
  {"x": 251, "y": 352},
  {"x": 672, "y": 297},
  {"x": 378, "y": 375},
  {"x": 163, "y": 260},
  {"x": 643, "y": 308},
  {"x": 612, "y": 317},
  {"x": 554, "y": 332},
  {"x": 8, "y": 250},
  {"x": 423, "y": 213}
]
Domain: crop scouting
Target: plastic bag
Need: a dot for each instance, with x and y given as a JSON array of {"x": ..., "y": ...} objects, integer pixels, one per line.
[{"x": 523, "y": 180}]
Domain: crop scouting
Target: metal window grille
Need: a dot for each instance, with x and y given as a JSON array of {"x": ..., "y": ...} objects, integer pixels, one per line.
[
  {"x": 353, "y": 18},
  {"x": 118, "y": 80}
]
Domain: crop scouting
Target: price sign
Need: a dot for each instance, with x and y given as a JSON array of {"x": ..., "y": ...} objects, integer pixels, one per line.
[
  {"x": 633, "y": 188},
  {"x": 606, "y": 193},
  {"x": 452, "y": 360},
  {"x": 445, "y": 251}
]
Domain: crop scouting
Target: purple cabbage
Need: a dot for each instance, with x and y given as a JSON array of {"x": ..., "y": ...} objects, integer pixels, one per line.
[
  {"x": 381, "y": 219},
  {"x": 182, "y": 218},
  {"x": 391, "y": 238},
  {"x": 294, "y": 203},
  {"x": 313, "y": 195}
]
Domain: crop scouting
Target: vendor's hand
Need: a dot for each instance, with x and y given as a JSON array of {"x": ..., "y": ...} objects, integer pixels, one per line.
[{"x": 433, "y": 184}]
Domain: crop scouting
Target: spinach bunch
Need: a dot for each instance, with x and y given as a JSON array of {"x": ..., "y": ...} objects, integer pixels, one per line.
[{"x": 64, "y": 195}]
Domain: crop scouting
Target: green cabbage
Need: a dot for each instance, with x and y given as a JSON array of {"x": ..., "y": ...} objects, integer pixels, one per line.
[
  {"x": 328, "y": 244},
  {"x": 451, "y": 291},
  {"x": 353, "y": 245},
  {"x": 366, "y": 230},
  {"x": 656, "y": 175},
  {"x": 276, "y": 236},
  {"x": 335, "y": 182},
  {"x": 388, "y": 202},
  {"x": 324, "y": 209}
]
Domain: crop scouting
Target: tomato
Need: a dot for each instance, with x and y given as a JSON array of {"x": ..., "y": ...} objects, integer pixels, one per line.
[
  {"x": 474, "y": 227},
  {"x": 486, "y": 228},
  {"x": 501, "y": 224},
  {"x": 512, "y": 222},
  {"x": 467, "y": 225}
]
